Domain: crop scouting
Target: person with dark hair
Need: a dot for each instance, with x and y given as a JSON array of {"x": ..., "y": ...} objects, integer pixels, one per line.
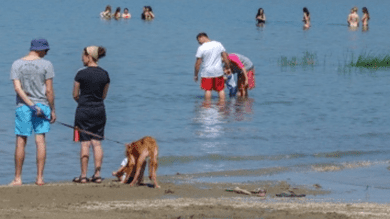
[
  {"x": 126, "y": 13},
  {"x": 353, "y": 18},
  {"x": 306, "y": 17},
  {"x": 260, "y": 16},
  {"x": 147, "y": 13},
  {"x": 106, "y": 13},
  {"x": 366, "y": 17},
  {"x": 90, "y": 90},
  {"x": 117, "y": 13},
  {"x": 32, "y": 77},
  {"x": 209, "y": 56}
]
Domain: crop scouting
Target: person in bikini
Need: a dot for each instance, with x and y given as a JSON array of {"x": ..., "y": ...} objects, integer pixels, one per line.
[
  {"x": 117, "y": 13},
  {"x": 306, "y": 17},
  {"x": 260, "y": 16},
  {"x": 106, "y": 14},
  {"x": 366, "y": 17},
  {"x": 353, "y": 18},
  {"x": 147, "y": 14}
]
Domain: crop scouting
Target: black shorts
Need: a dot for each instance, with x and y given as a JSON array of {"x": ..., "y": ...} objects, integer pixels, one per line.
[{"x": 92, "y": 119}]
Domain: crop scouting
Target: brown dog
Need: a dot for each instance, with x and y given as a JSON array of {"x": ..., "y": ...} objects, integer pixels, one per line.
[{"x": 136, "y": 153}]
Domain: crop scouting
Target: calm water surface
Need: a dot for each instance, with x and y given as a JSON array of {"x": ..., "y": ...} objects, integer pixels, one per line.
[{"x": 301, "y": 117}]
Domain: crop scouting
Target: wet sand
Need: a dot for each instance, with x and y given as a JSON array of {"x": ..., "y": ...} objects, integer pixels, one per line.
[{"x": 178, "y": 197}]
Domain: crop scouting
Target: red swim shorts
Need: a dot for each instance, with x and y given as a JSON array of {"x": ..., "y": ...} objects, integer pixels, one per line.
[{"x": 216, "y": 84}]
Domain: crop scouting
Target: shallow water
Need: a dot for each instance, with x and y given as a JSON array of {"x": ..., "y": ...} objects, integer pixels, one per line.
[{"x": 304, "y": 115}]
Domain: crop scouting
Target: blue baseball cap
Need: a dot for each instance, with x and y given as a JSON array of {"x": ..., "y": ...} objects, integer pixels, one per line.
[{"x": 39, "y": 45}]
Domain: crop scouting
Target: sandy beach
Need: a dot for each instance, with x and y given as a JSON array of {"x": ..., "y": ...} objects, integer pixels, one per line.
[{"x": 178, "y": 197}]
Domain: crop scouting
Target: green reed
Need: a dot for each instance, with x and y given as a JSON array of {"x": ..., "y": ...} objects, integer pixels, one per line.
[
  {"x": 307, "y": 59},
  {"x": 370, "y": 61}
]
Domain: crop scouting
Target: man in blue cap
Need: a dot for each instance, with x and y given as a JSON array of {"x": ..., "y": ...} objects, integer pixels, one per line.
[{"x": 33, "y": 82}]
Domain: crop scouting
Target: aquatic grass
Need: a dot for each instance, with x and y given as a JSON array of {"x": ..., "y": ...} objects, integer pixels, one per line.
[
  {"x": 364, "y": 61},
  {"x": 371, "y": 61},
  {"x": 308, "y": 59}
]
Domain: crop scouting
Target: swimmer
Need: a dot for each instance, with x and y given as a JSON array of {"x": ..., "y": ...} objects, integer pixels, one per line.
[
  {"x": 260, "y": 17},
  {"x": 147, "y": 14},
  {"x": 117, "y": 13},
  {"x": 106, "y": 13},
  {"x": 366, "y": 17},
  {"x": 126, "y": 14},
  {"x": 306, "y": 17},
  {"x": 353, "y": 18}
]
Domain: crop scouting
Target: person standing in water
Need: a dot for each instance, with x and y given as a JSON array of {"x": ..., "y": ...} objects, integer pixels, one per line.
[
  {"x": 117, "y": 13},
  {"x": 353, "y": 18},
  {"x": 106, "y": 14},
  {"x": 366, "y": 17},
  {"x": 260, "y": 16},
  {"x": 33, "y": 83},
  {"x": 306, "y": 17},
  {"x": 147, "y": 13},
  {"x": 209, "y": 55},
  {"x": 126, "y": 14}
]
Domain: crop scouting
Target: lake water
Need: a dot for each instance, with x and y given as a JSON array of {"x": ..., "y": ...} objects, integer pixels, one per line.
[{"x": 310, "y": 118}]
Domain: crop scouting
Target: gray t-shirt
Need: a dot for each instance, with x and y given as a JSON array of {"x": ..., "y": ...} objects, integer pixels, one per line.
[
  {"x": 32, "y": 75},
  {"x": 245, "y": 61}
]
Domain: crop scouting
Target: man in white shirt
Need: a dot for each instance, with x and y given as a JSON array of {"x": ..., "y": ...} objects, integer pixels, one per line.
[{"x": 209, "y": 56}]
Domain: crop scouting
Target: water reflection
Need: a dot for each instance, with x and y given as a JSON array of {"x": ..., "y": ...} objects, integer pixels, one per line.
[
  {"x": 213, "y": 115},
  {"x": 261, "y": 26},
  {"x": 364, "y": 28},
  {"x": 353, "y": 28},
  {"x": 210, "y": 117}
]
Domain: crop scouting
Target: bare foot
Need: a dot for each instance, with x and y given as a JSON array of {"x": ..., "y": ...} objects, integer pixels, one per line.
[
  {"x": 114, "y": 174},
  {"x": 39, "y": 182},
  {"x": 15, "y": 183}
]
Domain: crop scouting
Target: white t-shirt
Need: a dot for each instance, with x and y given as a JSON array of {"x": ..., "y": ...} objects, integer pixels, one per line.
[{"x": 210, "y": 53}]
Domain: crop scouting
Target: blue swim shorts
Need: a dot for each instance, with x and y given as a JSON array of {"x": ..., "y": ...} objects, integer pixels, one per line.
[{"x": 26, "y": 121}]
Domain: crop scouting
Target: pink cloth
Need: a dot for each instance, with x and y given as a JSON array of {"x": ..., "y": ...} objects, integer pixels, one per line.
[{"x": 235, "y": 60}]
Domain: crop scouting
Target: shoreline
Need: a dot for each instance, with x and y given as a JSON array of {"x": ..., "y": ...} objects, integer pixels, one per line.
[{"x": 178, "y": 197}]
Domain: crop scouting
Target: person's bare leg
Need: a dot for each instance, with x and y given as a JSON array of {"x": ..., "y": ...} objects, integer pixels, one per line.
[
  {"x": 98, "y": 154},
  {"x": 254, "y": 79},
  {"x": 221, "y": 95},
  {"x": 240, "y": 85},
  {"x": 84, "y": 157},
  {"x": 41, "y": 157},
  {"x": 207, "y": 95},
  {"x": 19, "y": 158}
]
